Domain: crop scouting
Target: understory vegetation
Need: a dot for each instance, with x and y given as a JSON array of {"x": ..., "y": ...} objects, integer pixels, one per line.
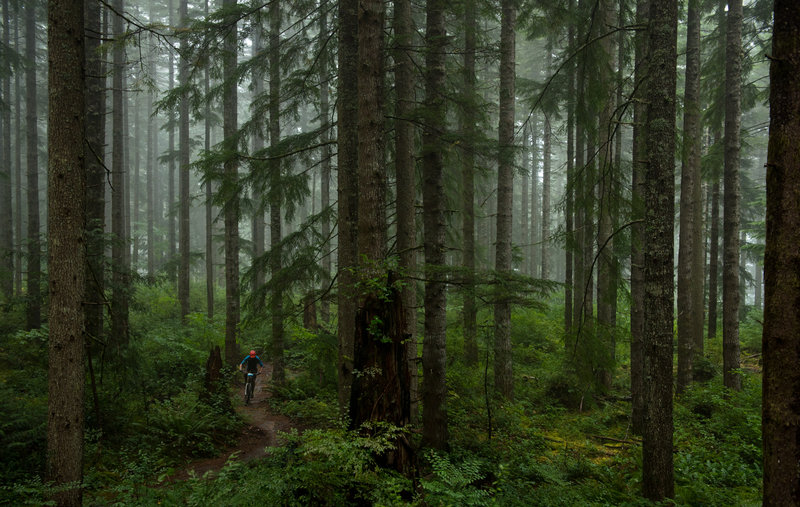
[{"x": 560, "y": 442}]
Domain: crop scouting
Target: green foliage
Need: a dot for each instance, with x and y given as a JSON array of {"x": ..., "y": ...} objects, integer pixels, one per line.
[
  {"x": 718, "y": 436},
  {"x": 454, "y": 483}
]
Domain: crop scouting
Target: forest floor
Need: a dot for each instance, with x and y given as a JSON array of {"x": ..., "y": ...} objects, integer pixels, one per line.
[{"x": 258, "y": 435}]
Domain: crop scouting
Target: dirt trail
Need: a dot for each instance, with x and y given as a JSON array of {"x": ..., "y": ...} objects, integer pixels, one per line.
[{"x": 260, "y": 431}]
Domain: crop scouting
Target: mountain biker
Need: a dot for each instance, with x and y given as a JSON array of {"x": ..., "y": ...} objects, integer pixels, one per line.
[{"x": 251, "y": 364}]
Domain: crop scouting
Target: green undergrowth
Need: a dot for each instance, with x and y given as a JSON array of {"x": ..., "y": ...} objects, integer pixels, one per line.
[{"x": 564, "y": 440}]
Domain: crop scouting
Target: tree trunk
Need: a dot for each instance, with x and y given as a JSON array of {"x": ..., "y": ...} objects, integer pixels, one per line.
[
  {"x": 119, "y": 304},
  {"x": 34, "y": 307},
  {"x": 231, "y": 182},
  {"x": 276, "y": 258},
  {"x": 406, "y": 183},
  {"x": 18, "y": 222},
  {"x": 325, "y": 170},
  {"x": 6, "y": 213},
  {"x": 258, "y": 223},
  {"x": 95, "y": 174},
  {"x": 690, "y": 273},
  {"x": 732, "y": 197},
  {"x": 503, "y": 375},
  {"x": 381, "y": 392},
  {"x": 66, "y": 197},
  {"x": 347, "y": 154},
  {"x": 639, "y": 164},
  {"x": 713, "y": 262},
  {"x": 781, "y": 340},
  {"x": 171, "y": 271},
  {"x": 209, "y": 208},
  {"x": 569, "y": 190},
  {"x": 546, "y": 164},
  {"x": 606, "y": 210},
  {"x": 183, "y": 169},
  {"x": 657, "y": 469},
  {"x": 535, "y": 203},
  {"x": 434, "y": 354}
]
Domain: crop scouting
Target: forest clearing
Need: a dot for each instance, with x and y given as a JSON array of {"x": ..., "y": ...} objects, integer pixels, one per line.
[{"x": 486, "y": 252}]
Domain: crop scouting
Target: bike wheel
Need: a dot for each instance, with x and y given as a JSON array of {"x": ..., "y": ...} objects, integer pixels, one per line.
[{"x": 248, "y": 392}]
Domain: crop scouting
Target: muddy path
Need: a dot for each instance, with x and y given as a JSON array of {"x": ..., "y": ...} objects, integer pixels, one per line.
[{"x": 258, "y": 435}]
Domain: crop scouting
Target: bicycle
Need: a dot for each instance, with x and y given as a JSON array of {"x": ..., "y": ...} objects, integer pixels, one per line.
[{"x": 249, "y": 387}]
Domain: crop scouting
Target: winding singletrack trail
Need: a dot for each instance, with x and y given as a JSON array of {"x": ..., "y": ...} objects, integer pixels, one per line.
[{"x": 259, "y": 434}]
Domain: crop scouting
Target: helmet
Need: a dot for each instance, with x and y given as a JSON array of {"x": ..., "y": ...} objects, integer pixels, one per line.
[{"x": 252, "y": 353}]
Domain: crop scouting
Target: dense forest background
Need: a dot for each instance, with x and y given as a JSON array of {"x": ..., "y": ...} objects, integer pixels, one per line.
[{"x": 493, "y": 252}]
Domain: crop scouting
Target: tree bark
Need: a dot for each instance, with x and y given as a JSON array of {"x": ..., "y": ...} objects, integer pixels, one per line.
[
  {"x": 275, "y": 197},
  {"x": 569, "y": 190},
  {"x": 732, "y": 197},
  {"x": 713, "y": 262},
  {"x": 95, "y": 100},
  {"x": 606, "y": 210},
  {"x": 209, "y": 208},
  {"x": 18, "y": 222},
  {"x": 34, "y": 307},
  {"x": 406, "y": 183},
  {"x": 503, "y": 375},
  {"x": 689, "y": 250},
  {"x": 6, "y": 212},
  {"x": 637, "y": 229},
  {"x": 66, "y": 197},
  {"x": 434, "y": 354},
  {"x": 231, "y": 183},
  {"x": 258, "y": 223},
  {"x": 119, "y": 298},
  {"x": 657, "y": 469},
  {"x": 347, "y": 154},
  {"x": 325, "y": 168},
  {"x": 781, "y": 339},
  {"x": 183, "y": 168},
  {"x": 380, "y": 391},
  {"x": 546, "y": 164},
  {"x": 172, "y": 272}
]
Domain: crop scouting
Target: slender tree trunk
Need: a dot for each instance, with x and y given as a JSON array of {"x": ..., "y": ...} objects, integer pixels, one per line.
[
  {"x": 406, "y": 182},
  {"x": 713, "y": 262},
  {"x": 209, "y": 208},
  {"x": 536, "y": 206},
  {"x": 434, "y": 355},
  {"x": 66, "y": 197},
  {"x": 95, "y": 174},
  {"x": 347, "y": 155},
  {"x": 135, "y": 187},
  {"x": 732, "y": 197},
  {"x": 689, "y": 250},
  {"x": 172, "y": 272},
  {"x": 470, "y": 310},
  {"x": 569, "y": 190},
  {"x": 276, "y": 259},
  {"x": 606, "y": 210},
  {"x": 758, "y": 281},
  {"x": 6, "y": 213},
  {"x": 325, "y": 172},
  {"x": 119, "y": 304},
  {"x": 503, "y": 376},
  {"x": 183, "y": 164},
  {"x": 231, "y": 177},
  {"x": 259, "y": 224},
  {"x": 34, "y": 308},
  {"x": 546, "y": 164},
  {"x": 18, "y": 226},
  {"x": 781, "y": 340},
  {"x": 524, "y": 207},
  {"x": 151, "y": 165},
  {"x": 639, "y": 165},
  {"x": 657, "y": 451}
]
